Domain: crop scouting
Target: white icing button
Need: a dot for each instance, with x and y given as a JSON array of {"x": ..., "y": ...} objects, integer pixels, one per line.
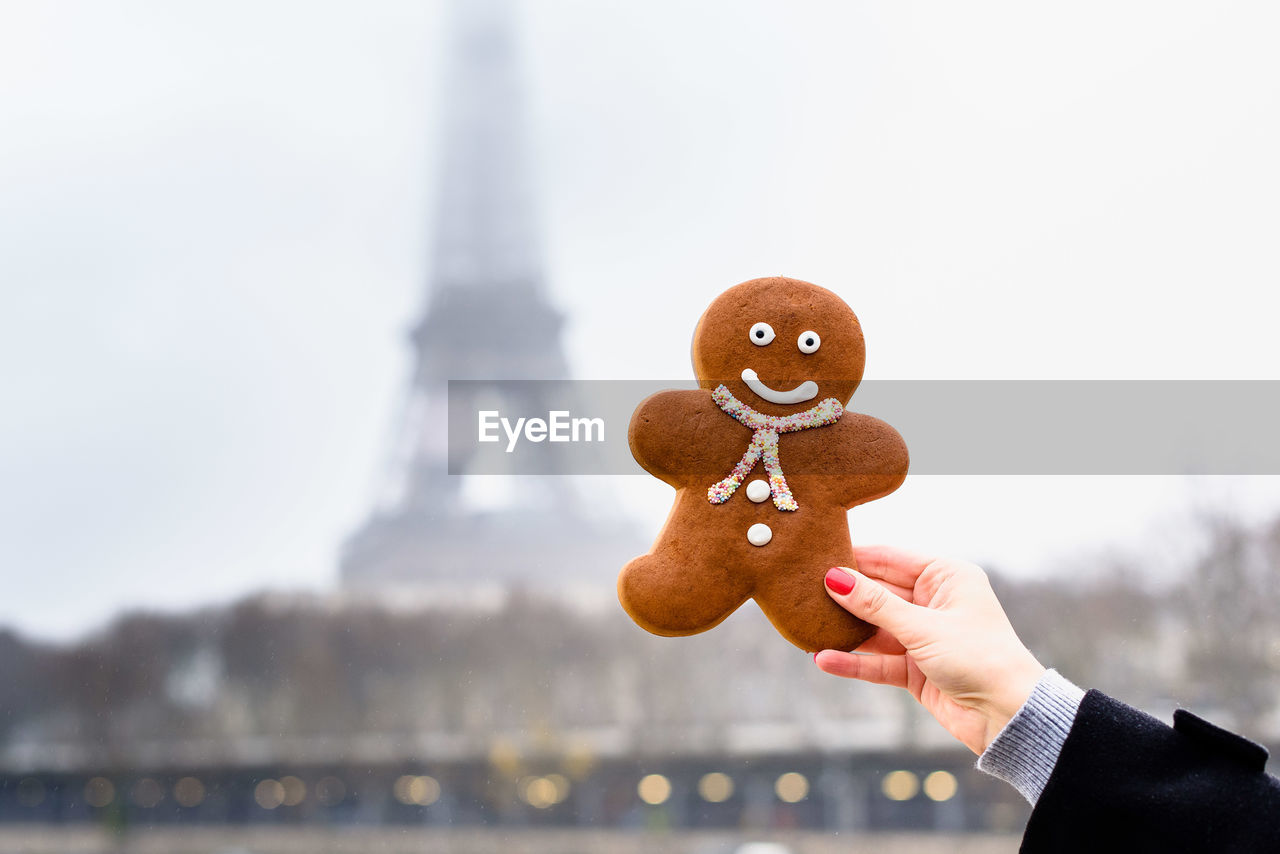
[
  {"x": 758, "y": 490},
  {"x": 759, "y": 534}
]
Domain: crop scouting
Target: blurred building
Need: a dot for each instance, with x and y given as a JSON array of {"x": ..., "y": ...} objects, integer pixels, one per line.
[{"x": 487, "y": 316}]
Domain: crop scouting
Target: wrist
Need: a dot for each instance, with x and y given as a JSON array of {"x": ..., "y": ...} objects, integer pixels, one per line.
[
  {"x": 1014, "y": 687},
  {"x": 1025, "y": 752}
]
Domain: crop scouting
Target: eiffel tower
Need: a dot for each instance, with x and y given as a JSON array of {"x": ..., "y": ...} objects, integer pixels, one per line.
[{"x": 487, "y": 317}]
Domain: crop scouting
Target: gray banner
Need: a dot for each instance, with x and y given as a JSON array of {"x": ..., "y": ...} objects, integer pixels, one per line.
[{"x": 951, "y": 427}]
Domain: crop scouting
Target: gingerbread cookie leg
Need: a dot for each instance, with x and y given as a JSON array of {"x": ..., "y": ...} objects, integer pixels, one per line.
[{"x": 667, "y": 595}]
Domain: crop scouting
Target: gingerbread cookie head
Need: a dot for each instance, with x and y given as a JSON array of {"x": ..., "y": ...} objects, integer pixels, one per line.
[{"x": 779, "y": 345}]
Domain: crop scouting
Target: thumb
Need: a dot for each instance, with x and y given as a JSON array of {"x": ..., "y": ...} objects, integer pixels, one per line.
[{"x": 869, "y": 600}]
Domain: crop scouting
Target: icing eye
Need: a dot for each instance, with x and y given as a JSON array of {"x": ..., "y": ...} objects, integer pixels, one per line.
[
  {"x": 762, "y": 334},
  {"x": 809, "y": 342}
]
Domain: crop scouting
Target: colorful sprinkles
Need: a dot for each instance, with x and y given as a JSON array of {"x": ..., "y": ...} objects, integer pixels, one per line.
[{"x": 764, "y": 444}]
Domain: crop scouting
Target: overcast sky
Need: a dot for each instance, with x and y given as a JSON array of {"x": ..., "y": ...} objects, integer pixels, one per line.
[{"x": 215, "y": 220}]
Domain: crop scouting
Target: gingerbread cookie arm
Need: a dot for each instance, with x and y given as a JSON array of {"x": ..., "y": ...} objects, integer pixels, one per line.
[
  {"x": 667, "y": 435},
  {"x": 873, "y": 455}
]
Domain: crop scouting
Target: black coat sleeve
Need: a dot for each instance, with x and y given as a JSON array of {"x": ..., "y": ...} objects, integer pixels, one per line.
[{"x": 1127, "y": 782}]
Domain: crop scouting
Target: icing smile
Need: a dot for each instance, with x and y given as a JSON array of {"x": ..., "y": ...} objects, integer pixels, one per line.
[{"x": 807, "y": 390}]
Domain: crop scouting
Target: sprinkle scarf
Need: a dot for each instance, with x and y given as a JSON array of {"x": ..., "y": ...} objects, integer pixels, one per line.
[{"x": 764, "y": 443}]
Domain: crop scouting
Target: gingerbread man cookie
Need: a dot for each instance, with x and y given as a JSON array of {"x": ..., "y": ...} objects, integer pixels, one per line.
[{"x": 766, "y": 463}]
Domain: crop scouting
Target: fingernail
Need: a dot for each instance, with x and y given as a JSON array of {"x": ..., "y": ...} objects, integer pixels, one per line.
[{"x": 839, "y": 581}]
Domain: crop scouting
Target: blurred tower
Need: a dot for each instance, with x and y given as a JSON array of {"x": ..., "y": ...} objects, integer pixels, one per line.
[{"x": 486, "y": 317}]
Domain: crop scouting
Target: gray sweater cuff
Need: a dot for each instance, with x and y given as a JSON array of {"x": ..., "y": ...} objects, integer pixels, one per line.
[{"x": 1025, "y": 751}]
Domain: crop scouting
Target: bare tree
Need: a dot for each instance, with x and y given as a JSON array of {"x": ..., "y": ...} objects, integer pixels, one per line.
[{"x": 1229, "y": 598}]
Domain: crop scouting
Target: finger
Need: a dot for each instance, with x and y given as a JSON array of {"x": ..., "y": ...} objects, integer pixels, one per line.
[
  {"x": 891, "y": 564},
  {"x": 880, "y": 669},
  {"x": 871, "y": 601},
  {"x": 900, "y": 591},
  {"x": 884, "y": 643}
]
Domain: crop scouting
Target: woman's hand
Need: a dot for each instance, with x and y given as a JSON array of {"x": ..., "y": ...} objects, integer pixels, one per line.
[{"x": 942, "y": 636}]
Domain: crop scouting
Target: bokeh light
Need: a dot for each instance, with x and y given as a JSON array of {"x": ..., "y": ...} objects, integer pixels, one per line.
[
  {"x": 561, "y": 782},
  {"x": 504, "y": 756},
  {"x": 715, "y": 787},
  {"x": 417, "y": 790},
  {"x": 30, "y": 792},
  {"x": 791, "y": 787},
  {"x": 941, "y": 786},
  {"x": 99, "y": 792},
  {"x": 579, "y": 759},
  {"x": 900, "y": 785},
  {"x": 269, "y": 794},
  {"x": 537, "y": 792},
  {"x": 295, "y": 791},
  {"x": 188, "y": 792},
  {"x": 543, "y": 792},
  {"x": 330, "y": 791},
  {"x": 654, "y": 789},
  {"x": 147, "y": 793}
]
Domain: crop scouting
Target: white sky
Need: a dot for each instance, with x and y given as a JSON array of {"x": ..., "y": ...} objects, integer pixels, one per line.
[{"x": 214, "y": 222}]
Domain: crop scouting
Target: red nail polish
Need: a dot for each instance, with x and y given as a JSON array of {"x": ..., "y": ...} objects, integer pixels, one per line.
[{"x": 839, "y": 581}]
